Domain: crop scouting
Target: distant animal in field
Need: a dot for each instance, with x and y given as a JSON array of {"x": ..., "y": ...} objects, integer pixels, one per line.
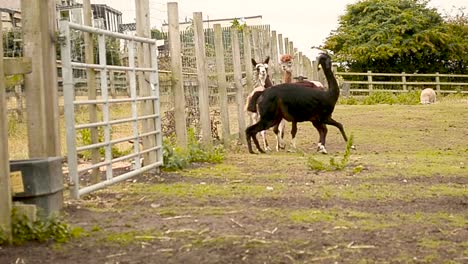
[{"x": 428, "y": 96}]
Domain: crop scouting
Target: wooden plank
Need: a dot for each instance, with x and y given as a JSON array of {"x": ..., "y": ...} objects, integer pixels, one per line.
[
  {"x": 5, "y": 191},
  {"x": 177, "y": 78},
  {"x": 222, "y": 83},
  {"x": 92, "y": 89},
  {"x": 41, "y": 90},
  {"x": 13, "y": 66},
  {"x": 144, "y": 60},
  {"x": 203, "y": 92},
  {"x": 248, "y": 58},
  {"x": 275, "y": 73},
  {"x": 236, "y": 60}
]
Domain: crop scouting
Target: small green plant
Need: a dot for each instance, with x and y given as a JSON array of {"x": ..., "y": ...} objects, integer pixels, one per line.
[
  {"x": 318, "y": 165},
  {"x": 380, "y": 98},
  {"x": 84, "y": 136},
  {"x": 42, "y": 230},
  {"x": 177, "y": 158},
  {"x": 409, "y": 98}
]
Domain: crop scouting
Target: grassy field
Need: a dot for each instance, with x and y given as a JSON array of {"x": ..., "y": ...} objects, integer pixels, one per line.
[{"x": 401, "y": 198}]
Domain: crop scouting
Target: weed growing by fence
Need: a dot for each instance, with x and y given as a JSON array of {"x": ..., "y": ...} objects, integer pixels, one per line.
[
  {"x": 318, "y": 165},
  {"x": 48, "y": 229},
  {"x": 378, "y": 97},
  {"x": 177, "y": 158},
  {"x": 84, "y": 136}
]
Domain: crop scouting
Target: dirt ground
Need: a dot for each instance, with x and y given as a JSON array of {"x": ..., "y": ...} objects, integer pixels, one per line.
[{"x": 402, "y": 198}]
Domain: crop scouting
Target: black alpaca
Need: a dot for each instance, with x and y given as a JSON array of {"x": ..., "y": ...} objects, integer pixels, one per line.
[{"x": 297, "y": 103}]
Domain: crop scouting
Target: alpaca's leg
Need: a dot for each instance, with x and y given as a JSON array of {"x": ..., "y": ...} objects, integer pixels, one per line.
[
  {"x": 338, "y": 125},
  {"x": 322, "y": 129},
  {"x": 293, "y": 134},
  {"x": 265, "y": 142},
  {"x": 279, "y": 131},
  {"x": 251, "y": 133}
]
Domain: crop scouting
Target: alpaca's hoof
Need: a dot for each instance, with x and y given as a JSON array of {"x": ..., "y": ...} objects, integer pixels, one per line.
[
  {"x": 267, "y": 148},
  {"x": 261, "y": 151},
  {"x": 353, "y": 147},
  {"x": 321, "y": 149}
]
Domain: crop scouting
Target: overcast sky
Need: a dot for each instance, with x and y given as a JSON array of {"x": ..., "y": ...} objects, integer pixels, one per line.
[{"x": 306, "y": 22}]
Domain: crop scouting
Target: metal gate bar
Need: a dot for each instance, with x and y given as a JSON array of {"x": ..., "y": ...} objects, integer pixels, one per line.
[{"x": 106, "y": 123}]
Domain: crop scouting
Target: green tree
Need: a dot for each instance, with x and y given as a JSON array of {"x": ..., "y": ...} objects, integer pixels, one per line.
[{"x": 397, "y": 36}]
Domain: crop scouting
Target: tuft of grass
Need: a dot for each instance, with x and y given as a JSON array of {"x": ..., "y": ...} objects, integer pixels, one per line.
[{"x": 317, "y": 165}]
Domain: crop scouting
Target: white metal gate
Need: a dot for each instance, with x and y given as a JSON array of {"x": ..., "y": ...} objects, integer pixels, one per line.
[{"x": 152, "y": 138}]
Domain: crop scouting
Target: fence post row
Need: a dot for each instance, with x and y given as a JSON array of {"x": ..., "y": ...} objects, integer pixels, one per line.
[
  {"x": 222, "y": 83},
  {"x": 176, "y": 76},
  {"x": 236, "y": 60},
  {"x": 203, "y": 92}
]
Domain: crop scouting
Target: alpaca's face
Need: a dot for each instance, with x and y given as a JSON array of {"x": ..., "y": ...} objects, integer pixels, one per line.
[
  {"x": 287, "y": 66},
  {"x": 262, "y": 70}
]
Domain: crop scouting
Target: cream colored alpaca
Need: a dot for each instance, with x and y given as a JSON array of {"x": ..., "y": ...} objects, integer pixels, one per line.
[{"x": 428, "y": 96}]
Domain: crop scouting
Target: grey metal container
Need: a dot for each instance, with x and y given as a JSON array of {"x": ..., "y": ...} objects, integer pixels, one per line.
[{"x": 43, "y": 183}]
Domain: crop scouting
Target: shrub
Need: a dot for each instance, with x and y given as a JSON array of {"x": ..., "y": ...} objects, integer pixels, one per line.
[
  {"x": 42, "y": 230},
  {"x": 177, "y": 158}
]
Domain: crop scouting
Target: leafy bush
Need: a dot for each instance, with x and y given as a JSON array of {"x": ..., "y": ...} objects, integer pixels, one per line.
[
  {"x": 177, "y": 158},
  {"x": 409, "y": 98},
  {"x": 42, "y": 230},
  {"x": 380, "y": 98}
]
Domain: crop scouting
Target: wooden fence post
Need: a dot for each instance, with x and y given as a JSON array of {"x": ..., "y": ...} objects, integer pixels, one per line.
[
  {"x": 248, "y": 58},
  {"x": 41, "y": 85},
  {"x": 300, "y": 65},
  {"x": 144, "y": 60},
  {"x": 403, "y": 80},
  {"x": 280, "y": 44},
  {"x": 177, "y": 78},
  {"x": 112, "y": 84},
  {"x": 222, "y": 83},
  {"x": 274, "y": 57},
  {"x": 256, "y": 45},
  {"x": 237, "y": 81},
  {"x": 437, "y": 83},
  {"x": 5, "y": 191},
  {"x": 203, "y": 92},
  {"x": 286, "y": 46},
  {"x": 369, "y": 79},
  {"x": 266, "y": 39},
  {"x": 19, "y": 102},
  {"x": 92, "y": 89}
]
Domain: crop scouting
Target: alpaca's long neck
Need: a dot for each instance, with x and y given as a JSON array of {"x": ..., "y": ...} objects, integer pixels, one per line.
[
  {"x": 333, "y": 89},
  {"x": 287, "y": 77}
]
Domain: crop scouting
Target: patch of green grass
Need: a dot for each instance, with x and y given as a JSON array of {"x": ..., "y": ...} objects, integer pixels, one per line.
[
  {"x": 224, "y": 171},
  {"x": 429, "y": 243},
  {"x": 207, "y": 191},
  {"x": 131, "y": 237},
  {"x": 389, "y": 191}
]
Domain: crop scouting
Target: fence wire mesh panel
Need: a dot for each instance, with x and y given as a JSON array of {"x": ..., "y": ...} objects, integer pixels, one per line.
[{"x": 114, "y": 133}]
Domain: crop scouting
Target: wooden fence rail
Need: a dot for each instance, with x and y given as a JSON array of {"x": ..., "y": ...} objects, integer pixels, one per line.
[{"x": 373, "y": 85}]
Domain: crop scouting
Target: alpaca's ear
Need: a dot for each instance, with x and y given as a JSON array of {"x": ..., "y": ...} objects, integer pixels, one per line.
[
  {"x": 254, "y": 62},
  {"x": 267, "y": 60}
]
